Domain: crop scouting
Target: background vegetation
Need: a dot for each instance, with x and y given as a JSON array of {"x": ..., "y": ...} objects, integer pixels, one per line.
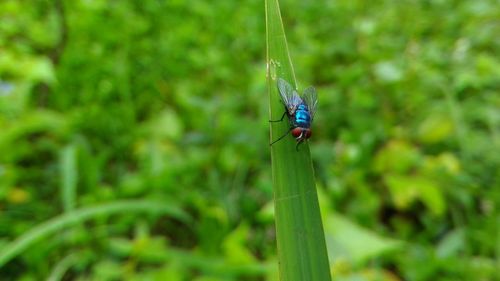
[{"x": 134, "y": 138}]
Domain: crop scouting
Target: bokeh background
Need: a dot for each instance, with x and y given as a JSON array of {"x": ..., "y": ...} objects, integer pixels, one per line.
[{"x": 165, "y": 102}]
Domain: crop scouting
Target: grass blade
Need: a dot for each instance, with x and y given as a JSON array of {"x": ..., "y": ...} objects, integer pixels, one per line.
[
  {"x": 58, "y": 223},
  {"x": 69, "y": 177},
  {"x": 60, "y": 269},
  {"x": 300, "y": 236}
]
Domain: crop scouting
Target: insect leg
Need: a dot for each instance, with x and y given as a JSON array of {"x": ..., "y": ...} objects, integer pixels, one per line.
[
  {"x": 282, "y": 116},
  {"x": 298, "y": 143},
  {"x": 282, "y": 136}
]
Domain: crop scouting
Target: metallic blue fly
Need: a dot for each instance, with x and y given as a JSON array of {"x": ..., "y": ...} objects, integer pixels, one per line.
[{"x": 299, "y": 109}]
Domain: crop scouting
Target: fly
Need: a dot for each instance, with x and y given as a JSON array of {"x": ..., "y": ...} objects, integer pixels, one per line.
[{"x": 299, "y": 109}]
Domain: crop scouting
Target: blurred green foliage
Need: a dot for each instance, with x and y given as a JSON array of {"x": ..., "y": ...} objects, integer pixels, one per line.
[{"x": 164, "y": 101}]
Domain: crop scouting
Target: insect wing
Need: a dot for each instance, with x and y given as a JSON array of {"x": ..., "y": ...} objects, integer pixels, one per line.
[
  {"x": 311, "y": 99},
  {"x": 289, "y": 96}
]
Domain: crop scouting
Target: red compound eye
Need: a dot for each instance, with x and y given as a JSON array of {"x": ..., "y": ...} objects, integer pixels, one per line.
[
  {"x": 296, "y": 132},
  {"x": 308, "y": 133}
]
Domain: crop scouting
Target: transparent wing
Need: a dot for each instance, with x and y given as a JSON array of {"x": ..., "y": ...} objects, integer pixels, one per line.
[
  {"x": 289, "y": 96},
  {"x": 311, "y": 100}
]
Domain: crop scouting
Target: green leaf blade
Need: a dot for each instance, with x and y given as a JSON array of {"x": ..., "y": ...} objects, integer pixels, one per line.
[
  {"x": 61, "y": 222},
  {"x": 300, "y": 236}
]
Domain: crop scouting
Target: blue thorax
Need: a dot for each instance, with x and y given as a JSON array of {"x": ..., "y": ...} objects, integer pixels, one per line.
[{"x": 302, "y": 116}]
